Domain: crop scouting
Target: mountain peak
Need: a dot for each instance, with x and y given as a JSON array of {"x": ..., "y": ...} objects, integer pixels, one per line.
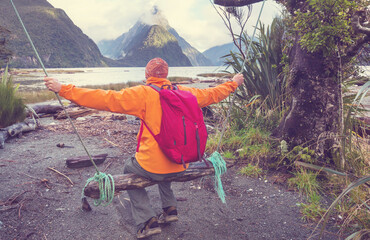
[{"x": 155, "y": 17}]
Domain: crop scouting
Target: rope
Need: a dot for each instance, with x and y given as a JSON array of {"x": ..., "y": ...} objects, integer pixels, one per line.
[
  {"x": 105, "y": 187},
  {"x": 220, "y": 168},
  {"x": 216, "y": 156},
  {"x": 103, "y": 181}
]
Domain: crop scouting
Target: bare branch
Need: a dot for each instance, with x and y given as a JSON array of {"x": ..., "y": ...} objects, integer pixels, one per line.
[
  {"x": 235, "y": 3},
  {"x": 358, "y": 18},
  {"x": 225, "y": 15}
]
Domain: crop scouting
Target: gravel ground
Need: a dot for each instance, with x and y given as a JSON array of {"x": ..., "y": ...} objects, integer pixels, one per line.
[{"x": 38, "y": 203}]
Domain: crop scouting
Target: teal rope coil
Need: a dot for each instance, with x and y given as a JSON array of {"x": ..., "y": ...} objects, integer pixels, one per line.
[
  {"x": 105, "y": 181},
  {"x": 220, "y": 168},
  {"x": 216, "y": 158},
  {"x": 106, "y": 188}
]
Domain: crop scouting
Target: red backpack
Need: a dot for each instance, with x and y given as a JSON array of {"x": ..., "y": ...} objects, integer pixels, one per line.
[{"x": 183, "y": 134}]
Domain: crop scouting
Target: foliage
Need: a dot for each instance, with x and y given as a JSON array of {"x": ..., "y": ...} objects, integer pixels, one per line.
[
  {"x": 114, "y": 86},
  {"x": 251, "y": 144},
  {"x": 312, "y": 210},
  {"x": 362, "y": 181},
  {"x": 299, "y": 153},
  {"x": 175, "y": 79},
  {"x": 251, "y": 170},
  {"x": 36, "y": 96},
  {"x": 354, "y": 134},
  {"x": 229, "y": 155},
  {"x": 325, "y": 24},
  {"x": 262, "y": 71},
  {"x": 305, "y": 181},
  {"x": 11, "y": 106},
  {"x": 324, "y": 29}
]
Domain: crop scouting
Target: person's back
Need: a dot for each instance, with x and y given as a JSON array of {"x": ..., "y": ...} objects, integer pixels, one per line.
[{"x": 149, "y": 161}]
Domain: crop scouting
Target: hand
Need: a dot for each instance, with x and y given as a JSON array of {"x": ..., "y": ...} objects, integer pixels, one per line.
[
  {"x": 239, "y": 79},
  {"x": 52, "y": 84}
]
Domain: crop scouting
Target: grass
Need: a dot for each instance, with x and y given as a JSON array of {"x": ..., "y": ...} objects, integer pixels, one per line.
[
  {"x": 251, "y": 170},
  {"x": 36, "y": 96},
  {"x": 114, "y": 86},
  {"x": 12, "y": 108},
  {"x": 312, "y": 211},
  {"x": 305, "y": 182},
  {"x": 180, "y": 79},
  {"x": 219, "y": 75}
]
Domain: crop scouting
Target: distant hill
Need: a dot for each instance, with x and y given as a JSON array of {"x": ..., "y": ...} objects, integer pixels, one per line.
[
  {"x": 59, "y": 41},
  {"x": 152, "y": 38},
  {"x": 216, "y": 53},
  {"x": 196, "y": 58}
]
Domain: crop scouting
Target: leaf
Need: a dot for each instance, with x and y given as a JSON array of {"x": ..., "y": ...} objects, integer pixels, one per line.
[{"x": 350, "y": 187}]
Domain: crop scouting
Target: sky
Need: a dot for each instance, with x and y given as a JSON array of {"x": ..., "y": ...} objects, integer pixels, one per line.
[{"x": 196, "y": 21}]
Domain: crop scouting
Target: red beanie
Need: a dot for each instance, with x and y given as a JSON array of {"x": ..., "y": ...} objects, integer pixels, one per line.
[{"x": 157, "y": 67}]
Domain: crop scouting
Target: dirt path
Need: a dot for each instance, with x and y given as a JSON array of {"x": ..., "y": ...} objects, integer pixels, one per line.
[{"x": 37, "y": 203}]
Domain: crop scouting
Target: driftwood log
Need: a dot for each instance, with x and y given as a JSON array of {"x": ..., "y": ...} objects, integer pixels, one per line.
[
  {"x": 75, "y": 113},
  {"x": 47, "y": 109},
  {"x": 132, "y": 181},
  {"x": 84, "y": 161},
  {"x": 3, "y": 136},
  {"x": 16, "y": 130}
]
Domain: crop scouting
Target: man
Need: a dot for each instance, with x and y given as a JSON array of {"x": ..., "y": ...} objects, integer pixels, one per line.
[{"x": 149, "y": 161}]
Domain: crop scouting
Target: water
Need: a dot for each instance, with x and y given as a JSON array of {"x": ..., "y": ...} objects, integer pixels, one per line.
[{"x": 100, "y": 76}]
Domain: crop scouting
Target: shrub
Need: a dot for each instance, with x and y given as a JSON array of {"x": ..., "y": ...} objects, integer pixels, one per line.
[{"x": 11, "y": 106}]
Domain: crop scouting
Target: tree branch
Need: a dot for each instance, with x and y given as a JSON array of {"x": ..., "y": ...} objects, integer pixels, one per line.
[
  {"x": 357, "y": 19},
  {"x": 353, "y": 49},
  {"x": 235, "y": 3}
]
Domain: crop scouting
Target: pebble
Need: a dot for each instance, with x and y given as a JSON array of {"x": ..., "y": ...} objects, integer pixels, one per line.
[
  {"x": 80, "y": 119},
  {"x": 1, "y": 224}
]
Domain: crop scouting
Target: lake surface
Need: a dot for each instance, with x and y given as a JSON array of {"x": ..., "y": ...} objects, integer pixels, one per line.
[{"x": 100, "y": 76}]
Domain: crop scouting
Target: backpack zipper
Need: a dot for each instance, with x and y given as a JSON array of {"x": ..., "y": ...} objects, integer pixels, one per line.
[{"x": 198, "y": 140}]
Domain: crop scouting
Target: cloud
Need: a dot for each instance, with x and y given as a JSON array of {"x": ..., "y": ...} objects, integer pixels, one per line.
[{"x": 195, "y": 20}]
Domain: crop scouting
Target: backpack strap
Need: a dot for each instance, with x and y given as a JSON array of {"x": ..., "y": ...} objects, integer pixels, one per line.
[
  {"x": 141, "y": 133},
  {"x": 165, "y": 86}
]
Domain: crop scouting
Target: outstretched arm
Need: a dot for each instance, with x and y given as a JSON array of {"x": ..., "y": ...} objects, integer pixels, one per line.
[
  {"x": 209, "y": 96},
  {"x": 129, "y": 101}
]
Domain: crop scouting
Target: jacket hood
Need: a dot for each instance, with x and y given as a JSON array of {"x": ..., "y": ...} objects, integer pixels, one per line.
[{"x": 158, "y": 81}]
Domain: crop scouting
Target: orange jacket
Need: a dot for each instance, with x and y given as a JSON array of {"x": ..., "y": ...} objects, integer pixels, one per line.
[{"x": 143, "y": 102}]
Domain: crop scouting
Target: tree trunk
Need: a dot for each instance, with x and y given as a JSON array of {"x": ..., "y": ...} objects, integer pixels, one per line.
[{"x": 314, "y": 116}]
